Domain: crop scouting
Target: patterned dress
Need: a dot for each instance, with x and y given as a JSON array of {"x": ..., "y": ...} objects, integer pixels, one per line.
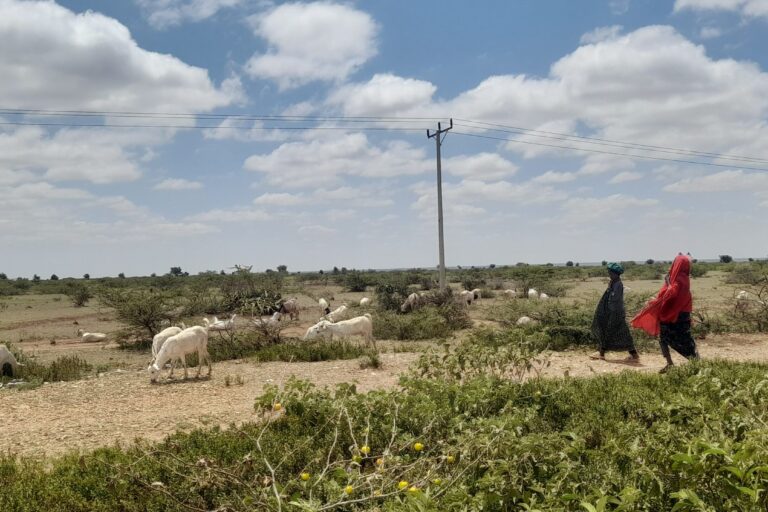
[{"x": 609, "y": 326}]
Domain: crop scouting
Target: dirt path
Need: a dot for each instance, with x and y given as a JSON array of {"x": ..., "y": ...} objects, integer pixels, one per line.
[{"x": 122, "y": 405}]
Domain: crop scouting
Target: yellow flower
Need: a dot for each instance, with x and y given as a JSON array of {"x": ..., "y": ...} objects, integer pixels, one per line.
[
  {"x": 450, "y": 459},
  {"x": 365, "y": 450},
  {"x": 413, "y": 489},
  {"x": 277, "y": 406},
  {"x": 305, "y": 476},
  {"x": 437, "y": 481},
  {"x": 402, "y": 485},
  {"x": 349, "y": 489},
  {"x": 379, "y": 462},
  {"x": 418, "y": 447}
]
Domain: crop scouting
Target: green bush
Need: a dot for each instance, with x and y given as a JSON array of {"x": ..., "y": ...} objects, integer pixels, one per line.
[
  {"x": 693, "y": 439},
  {"x": 429, "y": 322},
  {"x": 143, "y": 311},
  {"x": 310, "y": 351}
]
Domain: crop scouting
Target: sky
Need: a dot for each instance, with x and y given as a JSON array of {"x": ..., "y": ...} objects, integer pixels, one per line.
[{"x": 141, "y": 135}]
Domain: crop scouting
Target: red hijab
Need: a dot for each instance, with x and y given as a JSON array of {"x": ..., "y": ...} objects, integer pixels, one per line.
[{"x": 673, "y": 298}]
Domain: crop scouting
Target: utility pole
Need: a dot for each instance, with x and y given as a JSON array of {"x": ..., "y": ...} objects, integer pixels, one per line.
[{"x": 438, "y": 135}]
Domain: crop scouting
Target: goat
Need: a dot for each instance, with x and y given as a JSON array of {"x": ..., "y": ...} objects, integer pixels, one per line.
[
  {"x": 324, "y": 306},
  {"x": 358, "y": 326},
  {"x": 413, "y": 302},
  {"x": 533, "y": 294},
  {"x": 467, "y": 297},
  {"x": 290, "y": 308},
  {"x": 188, "y": 341},
  {"x": 8, "y": 364},
  {"x": 365, "y": 301},
  {"x": 87, "y": 337},
  {"x": 337, "y": 313},
  {"x": 222, "y": 325}
]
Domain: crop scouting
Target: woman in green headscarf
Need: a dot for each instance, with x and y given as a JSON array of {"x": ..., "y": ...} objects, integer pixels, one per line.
[{"x": 609, "y": 325}]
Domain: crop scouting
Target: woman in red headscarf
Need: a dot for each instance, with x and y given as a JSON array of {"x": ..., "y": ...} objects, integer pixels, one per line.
[{"x": 669, "y": 314}]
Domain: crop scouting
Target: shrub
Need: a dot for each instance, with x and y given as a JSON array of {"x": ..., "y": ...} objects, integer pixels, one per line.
[
  {"x": 141, "y": 310},
  {"x": 390, "y": 296},
  {"x": 355, "y": 282},
  {"x": 309, "y": 351},
  {"x": 750, "y": 274},
  {"x": 78, "y": 293},
  {"x": 429, "y": 322}
]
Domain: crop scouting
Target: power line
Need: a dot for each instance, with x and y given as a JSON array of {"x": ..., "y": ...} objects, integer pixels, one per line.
[
  {"x": 212, "y": 127},
  {"x": 191, "y": 115},
  {"x": 645, "y": 157},
  {"x": 381, "y": 123},
  {"x": 605, "y": 142}
]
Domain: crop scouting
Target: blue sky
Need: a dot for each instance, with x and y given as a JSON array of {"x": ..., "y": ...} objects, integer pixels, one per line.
[{"x": 681, "y": 76}]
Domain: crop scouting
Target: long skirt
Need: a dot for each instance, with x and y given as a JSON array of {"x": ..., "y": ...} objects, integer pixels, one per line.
[{"x": 678, "y": 336}]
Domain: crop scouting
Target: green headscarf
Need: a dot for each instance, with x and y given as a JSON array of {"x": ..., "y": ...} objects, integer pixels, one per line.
[{"x": 615, "y": 267}]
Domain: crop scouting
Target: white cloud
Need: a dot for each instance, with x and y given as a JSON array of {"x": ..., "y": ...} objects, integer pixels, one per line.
[
  {"x": 625, "y": 176},
  {"x": 601, "y": 34},
  {"x": 167, "y": 13},
  {"x": 239, "y": 214},
  {"x": 178, "y": 184},
  {"x": 324, "y": 162},
  {"x": 316, "y": 230},
  {"x": 480, "y": 166},
  {"x": 710, "y": 32},
  {"x": 583, "y": 210},
  {"x": 90, "y": 61},
  {"x": 724, "y": 181},
  {"x": 279, "y": 199},
  {"x": 319, "y": 41},
  {"x": 70, "y": 154},
  {"x": 554, "y": 177},
  {"x": 383, "y": 95},
  {"x": 635, "y": 87},
  {"x": 747, "y": 8}
]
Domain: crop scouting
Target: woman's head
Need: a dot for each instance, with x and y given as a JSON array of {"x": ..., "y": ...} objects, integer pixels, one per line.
[{"x": 614, "y": 270}]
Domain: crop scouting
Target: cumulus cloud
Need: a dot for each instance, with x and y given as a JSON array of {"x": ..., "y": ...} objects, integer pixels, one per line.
[
  {"x": 554, "y": 177},
  {"x": 325, "y": 161},
  {"x": 89, "y": 61},
  {"x": 279, "y": 199},
  {"x": 319, "y": 41},
  {"x": 481, "y": 166},
  {"x": 71, "y": 154},
  {"x": 625, "y": 176},
  {"x": 601, "y": 34},
  {"x": 167, "y": 13},
  {"x": 239, "y": 214},
  {"x": 178, "y": 184},
  {"x": 383, "y": 95},
  {"x": 634, "y": 87},
  {"x": 724, "y": 181},
  {"x": 591, "y": 209},
  {"x": 747, "y": 8}
]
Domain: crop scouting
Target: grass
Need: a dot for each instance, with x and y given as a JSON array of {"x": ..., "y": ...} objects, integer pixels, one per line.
[{"x": 312, "y": 351}]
